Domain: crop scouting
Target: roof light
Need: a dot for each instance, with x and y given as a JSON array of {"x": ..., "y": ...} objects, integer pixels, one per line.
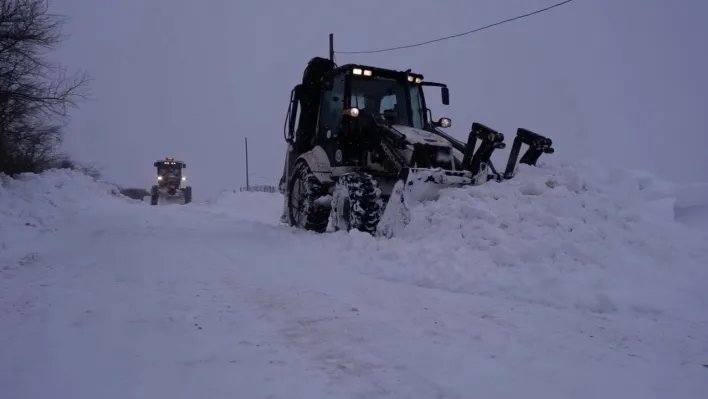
[
  {"x": 410, "y": 78},
  {"x": 357, "y": 71},
  {"x": 418, "y": 80},
  {"x": 367, "y": 72}
]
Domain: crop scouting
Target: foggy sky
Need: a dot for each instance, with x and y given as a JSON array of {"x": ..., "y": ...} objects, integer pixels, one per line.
[{"x": 618, "y": 81}]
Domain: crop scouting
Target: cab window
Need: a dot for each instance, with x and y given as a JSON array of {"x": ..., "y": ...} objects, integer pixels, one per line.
[{"x": 332, "y": 105}]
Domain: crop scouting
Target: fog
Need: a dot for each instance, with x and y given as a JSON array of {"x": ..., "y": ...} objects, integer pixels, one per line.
[{"x": 620, "y": 82}]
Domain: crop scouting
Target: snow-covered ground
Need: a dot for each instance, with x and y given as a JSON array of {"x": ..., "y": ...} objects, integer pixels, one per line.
[{"x": 571, "y": 281}]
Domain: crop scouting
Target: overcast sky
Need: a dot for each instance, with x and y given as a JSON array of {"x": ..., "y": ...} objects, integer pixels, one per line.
[{"x": 619, "y": 81}]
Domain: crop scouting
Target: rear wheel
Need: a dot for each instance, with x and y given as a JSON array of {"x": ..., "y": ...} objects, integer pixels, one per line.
[
  {"x": 304, "y": 210},
  {"x": 357, "y": 203}
]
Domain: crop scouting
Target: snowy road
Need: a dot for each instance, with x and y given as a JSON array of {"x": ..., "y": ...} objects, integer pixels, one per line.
[{"x": 216, "y": 300}]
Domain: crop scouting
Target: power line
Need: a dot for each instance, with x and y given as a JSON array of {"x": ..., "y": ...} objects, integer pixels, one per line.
[{"x": 457, "y": 35}]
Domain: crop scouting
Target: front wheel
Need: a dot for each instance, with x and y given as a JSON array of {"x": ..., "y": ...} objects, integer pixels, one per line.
[
  {"x": 357, "y": 203},
  {"x": 304, "y": 209},
  {"x": 187, "y": 195},
  {"x": 154, "y": 195}
]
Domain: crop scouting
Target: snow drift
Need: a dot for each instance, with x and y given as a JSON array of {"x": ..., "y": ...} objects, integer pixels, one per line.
[
  {"x": 40, "y": 203},
  {"x": 565, "y": 236},
  {"x": 41, "y": 197},
  {"x": 576, "y": 236}
]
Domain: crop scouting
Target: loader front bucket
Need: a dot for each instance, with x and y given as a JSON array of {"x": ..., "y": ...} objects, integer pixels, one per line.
[{"x": 415, "y": 185}]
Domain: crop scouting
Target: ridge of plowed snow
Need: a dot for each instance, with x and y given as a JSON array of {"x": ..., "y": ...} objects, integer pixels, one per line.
[
  {"x": 576, "y": 236},
  {"x": 41, "y": 197},
  {"x": 565, "y": 235},
  {"x": 37, "y": 203}
]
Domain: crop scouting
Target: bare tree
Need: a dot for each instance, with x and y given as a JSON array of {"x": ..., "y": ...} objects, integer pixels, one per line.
[{"x": 35, "y": 93}]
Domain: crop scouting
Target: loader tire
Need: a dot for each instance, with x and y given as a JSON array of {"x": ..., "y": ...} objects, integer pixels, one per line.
[
  {"x": 187, "y": 195},
  {"x": 357, "y": 203},
  {"x": 304, "y": 211},
  {"x": 154, "y": 195}
]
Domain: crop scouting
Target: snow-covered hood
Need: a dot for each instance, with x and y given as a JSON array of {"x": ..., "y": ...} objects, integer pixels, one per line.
[{"x": 420, "y": 136}]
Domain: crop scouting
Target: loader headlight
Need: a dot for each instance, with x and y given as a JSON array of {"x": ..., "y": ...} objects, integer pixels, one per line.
[
  {"x": 353, "y": 112},
  {"x": 359, "y": 71},
  {"x": 184, "y": 178},
  {"x": 445, "y": 122},
  {"x": 159, "y": 177}
]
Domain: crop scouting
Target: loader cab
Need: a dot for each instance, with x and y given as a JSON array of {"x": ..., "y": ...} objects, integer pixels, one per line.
[
  {"x": 356, "y": 100},
  {"x": 328, "y": 93},
  {"x": 323, "y": 110},
  {"x": 169, "y": 170},
  {"x": 388, "y": 97},
  {"x": 392, "y": 96}
]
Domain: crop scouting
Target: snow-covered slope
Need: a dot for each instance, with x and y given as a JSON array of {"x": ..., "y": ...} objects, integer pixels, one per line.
[
  {"x": 32, "y": 198},
  {"x": 569, "y": 236},
  {"x": 33, "y": 203},
  {"x": 571, "y": 281}
]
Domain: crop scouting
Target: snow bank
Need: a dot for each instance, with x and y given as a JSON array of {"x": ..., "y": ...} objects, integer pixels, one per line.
[
  {"x": 246, "y": 205},
  {"x": 577, "y": 236},
  {"x": 34, "y": 203}
]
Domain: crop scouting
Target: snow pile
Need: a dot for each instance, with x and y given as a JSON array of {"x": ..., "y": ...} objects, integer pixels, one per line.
[
  {"x": 577, "y": 236},
  {"x": 250, "y": 206},
  {"x": 692, "y": 195},
  {"x": 41, "y": 202},
  {"x": 691, "y": 207}
]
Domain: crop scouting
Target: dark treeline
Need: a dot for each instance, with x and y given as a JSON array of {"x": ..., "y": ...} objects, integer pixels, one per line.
[{"x": 35, "y": 93}]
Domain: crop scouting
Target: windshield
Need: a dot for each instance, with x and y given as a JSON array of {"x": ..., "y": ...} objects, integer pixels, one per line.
[
  {"x": 380, "y": 94},
  {"x": 169, "y": 169}
]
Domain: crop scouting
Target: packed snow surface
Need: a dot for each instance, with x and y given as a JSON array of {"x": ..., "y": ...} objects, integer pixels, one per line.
[{"x": 570, "y": 281}]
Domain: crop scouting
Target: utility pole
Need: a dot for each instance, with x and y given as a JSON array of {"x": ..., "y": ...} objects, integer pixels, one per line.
[
  {"x": 331, "y": 47},
  {"x": 248, "y": 187}
]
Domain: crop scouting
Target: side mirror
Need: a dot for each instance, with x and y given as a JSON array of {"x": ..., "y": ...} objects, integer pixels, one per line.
[
  {"x": 156, "y": 164},
  {"x": 445, "y": 94},
  {"x": 444, "y": 122},
  {"x": 184, "y": 166}
]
